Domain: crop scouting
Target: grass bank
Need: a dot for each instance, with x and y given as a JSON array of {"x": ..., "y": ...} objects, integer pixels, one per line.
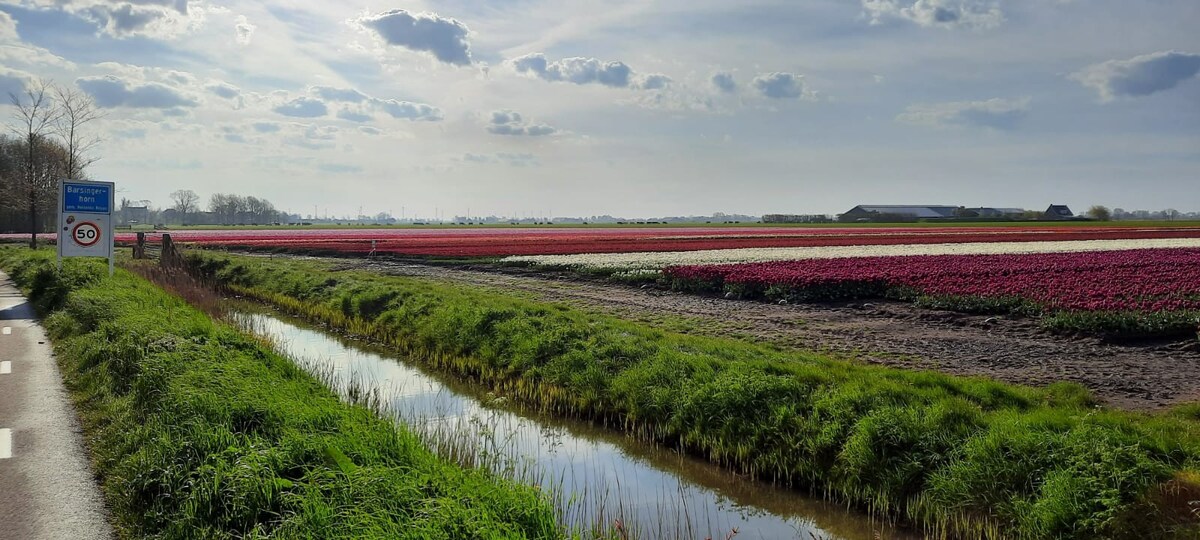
[
  {"x": 199, "y": 431},
  {"x": 958, "y": 456}
]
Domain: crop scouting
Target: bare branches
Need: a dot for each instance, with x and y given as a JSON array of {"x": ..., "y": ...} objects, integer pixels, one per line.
[
  {"x": 35, "y": 111},
  {"x": 35, "y": 115},
  {"x": 76, "y": 111},
  {"x": 49, "y": 122},
  {"x": 185, "y": 201}
]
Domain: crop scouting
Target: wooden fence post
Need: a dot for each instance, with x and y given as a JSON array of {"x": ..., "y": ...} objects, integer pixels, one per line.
[{"x": 170, "y": 257}]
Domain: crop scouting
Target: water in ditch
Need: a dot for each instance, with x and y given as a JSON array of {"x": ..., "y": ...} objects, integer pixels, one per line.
[{"x": 599, "y": 475}]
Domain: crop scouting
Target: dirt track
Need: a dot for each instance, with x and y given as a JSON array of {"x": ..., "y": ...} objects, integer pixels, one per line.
[{"x": 1148, "y": 376}]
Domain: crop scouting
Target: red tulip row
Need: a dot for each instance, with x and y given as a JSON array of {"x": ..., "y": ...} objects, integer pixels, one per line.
[
  {"x": 1146, "y": 280},
  {"x": 504, "y": 242}
]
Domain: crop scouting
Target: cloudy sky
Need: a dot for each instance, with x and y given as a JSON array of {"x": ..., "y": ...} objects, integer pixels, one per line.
[{"x": 522, "y": 107}]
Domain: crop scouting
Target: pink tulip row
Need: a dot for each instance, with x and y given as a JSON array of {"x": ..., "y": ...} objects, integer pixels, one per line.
[{"x": 1146, "y": 280}]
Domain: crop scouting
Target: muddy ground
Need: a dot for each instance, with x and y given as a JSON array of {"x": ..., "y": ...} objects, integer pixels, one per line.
[{"x": 1142, "y": 376}]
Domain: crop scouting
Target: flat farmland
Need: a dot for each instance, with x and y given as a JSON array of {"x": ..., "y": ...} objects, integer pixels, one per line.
[
  {"x": 1113, "y": 307},
  {"x": 1144, "y": 375},
  {"x": 503, "y": 242},
  {"x": 871, "y": 348}
]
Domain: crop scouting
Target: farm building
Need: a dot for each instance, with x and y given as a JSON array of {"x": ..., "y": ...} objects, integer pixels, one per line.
[
  {"x": 1058, "y": 211},
  {"x": 898, "y": 211},
  {"x": 985, "y": 212}
]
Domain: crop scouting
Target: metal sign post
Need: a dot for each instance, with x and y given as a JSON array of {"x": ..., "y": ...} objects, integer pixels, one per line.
[{"x": 85, "y": 227}]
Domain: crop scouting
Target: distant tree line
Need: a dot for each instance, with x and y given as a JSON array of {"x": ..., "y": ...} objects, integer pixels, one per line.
[
  {"x": 47, "y": 142},
  {"x": 185, "y": 209}
]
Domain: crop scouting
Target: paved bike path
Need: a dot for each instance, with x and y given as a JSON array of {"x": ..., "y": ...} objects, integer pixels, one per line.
[{"x": 47, "y": 490}]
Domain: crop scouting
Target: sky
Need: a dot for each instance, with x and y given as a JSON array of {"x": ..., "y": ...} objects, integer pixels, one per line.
[{"x": 591, "y": 107}]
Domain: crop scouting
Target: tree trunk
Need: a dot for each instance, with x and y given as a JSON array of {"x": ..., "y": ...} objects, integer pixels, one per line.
[
  {"x": 32, "y": 194},
  {"x": 32, "y": 219}
]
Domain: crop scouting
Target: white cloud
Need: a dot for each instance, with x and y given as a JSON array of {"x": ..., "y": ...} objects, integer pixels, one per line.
[
  {"x": 233, "y": 135},
  {"x": 409, "y": 111},
  {"x": 153, "y": 18},
  {"x": 348, "y": 95},
  {"x": 508, "y": 122},
  {"x": 577, "y": 70},
  {"x": 311, "y": 137},
  {"x": 303, "y": 107},
  {"x": 355, "y": 115},
  {"x": 224, "y": 90},
  {"x": 781, "y": 85},
  {"x": 180, "y": 78},
  {"x": 653, "y": 81},
  {"x": 1141, "y": 75},
  {"x": 1002, "y": 114},
  {"x": 8, "y": 28},
  {"x": 111, "y": 91},
  {"x": 676, "y": 100},
  {"x": 723, "y": 82},
  {"x": 244, "y": 30},
  {"x": 981, "y": 14},
  {"x": 360, "y": 106},
  {"x": 444, "y": 38},
  {"x": 12, "y": 83},
  {"x": 15, "y": 52},
  {"x": 366, "y": 105}
]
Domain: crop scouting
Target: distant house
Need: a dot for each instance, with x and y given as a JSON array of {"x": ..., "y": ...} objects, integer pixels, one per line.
[
  {"x": 1058, "y": 211},
  {"x": 867, "y": 212}
]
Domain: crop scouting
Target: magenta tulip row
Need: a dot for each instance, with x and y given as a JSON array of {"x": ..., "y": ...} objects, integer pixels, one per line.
[{"x": 1148, "y": 280}]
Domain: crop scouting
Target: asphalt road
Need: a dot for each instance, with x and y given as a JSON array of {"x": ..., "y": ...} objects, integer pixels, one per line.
[{"x": 47, "y": 489}]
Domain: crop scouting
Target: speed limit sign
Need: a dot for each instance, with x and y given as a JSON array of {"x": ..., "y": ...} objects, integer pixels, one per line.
[
  {"x": 86, "y": 234},
  {"x": 85, "y": 224}
]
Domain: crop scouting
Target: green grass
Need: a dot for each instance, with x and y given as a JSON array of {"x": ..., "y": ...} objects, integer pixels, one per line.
[
  {"x": 964, "y": 457},
  {"x": 199, "y": 431}
]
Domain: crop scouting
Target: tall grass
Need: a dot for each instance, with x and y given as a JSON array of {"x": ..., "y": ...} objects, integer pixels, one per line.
[
  {"x": 957, "y": 456},
  {"x": 474, "y": 430},
  {"x": 198, "y": 431}
]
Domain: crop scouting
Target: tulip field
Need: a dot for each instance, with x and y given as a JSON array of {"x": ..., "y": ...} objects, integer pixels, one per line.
[
  {"x": 501, "y": 242},
  {"x": 1127, "y": 293},
  {"x": 553, "y": 241},
  {"x": 1117, "y": 280}
]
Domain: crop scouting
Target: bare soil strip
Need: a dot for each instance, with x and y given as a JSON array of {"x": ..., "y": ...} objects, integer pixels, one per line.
[{"x": 1143, "y": 376}]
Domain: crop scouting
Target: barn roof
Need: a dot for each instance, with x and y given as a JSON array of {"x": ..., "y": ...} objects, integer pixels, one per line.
[
  {"x": 921, "y": 211},
  {"x": 1060, "y": 210}
]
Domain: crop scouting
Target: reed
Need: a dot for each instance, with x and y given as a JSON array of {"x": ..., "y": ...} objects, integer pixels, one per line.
[{"x": 198, "y": 431}]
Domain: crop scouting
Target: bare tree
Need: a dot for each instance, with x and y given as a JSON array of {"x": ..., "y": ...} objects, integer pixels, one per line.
[
  {"x": 185, "y": 201},
  {"x": 76, "y": 111},
  {"x": 35, "y": 115},
  {"x": 225, "y": 206}
]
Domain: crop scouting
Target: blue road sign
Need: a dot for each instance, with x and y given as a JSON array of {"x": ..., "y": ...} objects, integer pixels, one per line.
[{"x": 87, "y": 198}]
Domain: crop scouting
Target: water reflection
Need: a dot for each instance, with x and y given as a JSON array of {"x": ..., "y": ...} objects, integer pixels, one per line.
[{"x": 600, "y": 474}]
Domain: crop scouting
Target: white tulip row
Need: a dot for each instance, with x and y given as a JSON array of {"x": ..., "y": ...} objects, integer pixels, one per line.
[{"x": 661, "y": 259}]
